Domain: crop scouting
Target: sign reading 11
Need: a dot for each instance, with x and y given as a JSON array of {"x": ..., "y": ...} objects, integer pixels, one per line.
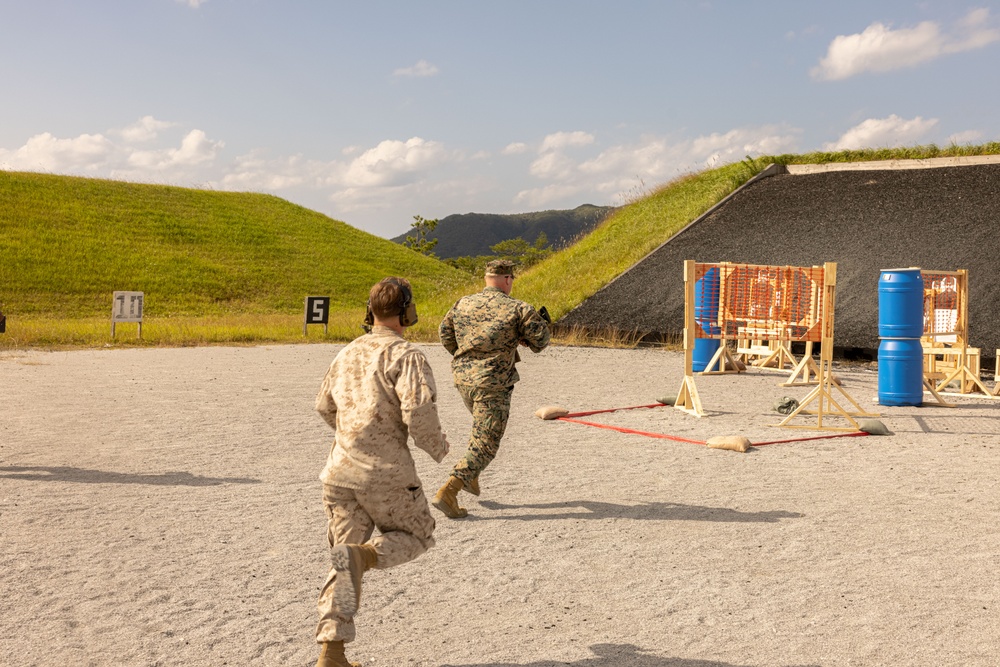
[{"x": 126, "y": 307}]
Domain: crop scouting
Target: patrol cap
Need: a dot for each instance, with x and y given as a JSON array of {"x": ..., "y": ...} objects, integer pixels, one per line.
[{"x": 500, "y": 267}]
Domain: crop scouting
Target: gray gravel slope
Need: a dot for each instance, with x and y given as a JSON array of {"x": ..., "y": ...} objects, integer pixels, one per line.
[{"x": 866, "y": 221}]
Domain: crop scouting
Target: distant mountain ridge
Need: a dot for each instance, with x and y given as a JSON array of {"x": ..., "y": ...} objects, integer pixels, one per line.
[{"x": 472, "y": 234}]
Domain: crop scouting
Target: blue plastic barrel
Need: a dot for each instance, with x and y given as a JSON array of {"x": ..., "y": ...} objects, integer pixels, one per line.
[
  {"x": 706, "y": 311},
  {"x": 900, "y": 371},
  {"x": 704, "y": 350},
  {"x": 900, "y": 303},
  {"x": 706, "y": 297}
]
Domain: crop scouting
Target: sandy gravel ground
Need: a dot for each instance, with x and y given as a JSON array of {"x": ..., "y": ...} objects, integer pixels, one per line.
[{"x": 162, "y": 507}]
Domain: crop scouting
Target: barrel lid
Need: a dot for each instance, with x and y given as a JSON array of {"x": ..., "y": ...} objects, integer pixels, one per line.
[{"x": 909, "y": 268}]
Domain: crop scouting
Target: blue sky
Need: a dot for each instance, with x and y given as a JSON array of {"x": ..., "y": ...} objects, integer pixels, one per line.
[{"x": 374, "y": 112}]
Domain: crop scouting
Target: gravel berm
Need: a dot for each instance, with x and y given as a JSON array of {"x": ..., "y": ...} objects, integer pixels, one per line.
[{"x": 942, "y": 219}]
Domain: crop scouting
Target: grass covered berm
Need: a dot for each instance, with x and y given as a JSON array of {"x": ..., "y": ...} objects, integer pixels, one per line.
[
  {"x": 571, "y": 276},
  {"x": 223, "y": 263}
]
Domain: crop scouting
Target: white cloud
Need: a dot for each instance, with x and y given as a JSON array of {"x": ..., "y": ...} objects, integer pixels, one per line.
[
  {"x": 87, "y": 153},
  {"x": 967, "y": 137},
  {"x": 542, "y": 197},
  {"x": 881, "y": 49},
  {"x": 443, "y": 192},
  {"x": 252, "y": 172},
  {"x": 883, "y": 133},
  {"x": 393, "y": 162},
  {"x": 656, "y": 159},
  {"x": 421, "y": 69},
  {"x": 599, "y": 179},
  {"x": 552, "y": 166},
  {"x": 878, "y": 49},
  {"x": 552, "y": 163},
  {"x": 195, "y": 149},
  {"x": 366, "y": 180},
  {"x": 101, "y": 156},
  {"x": 560, "y": 140},
  {"x": 195, "y": 4},
  {"x": 145, "y": 129},
  {"x": 974, "y": 32},
  {"x": 736, "y": 144},
  {"x": 515, "y": 148},
  {"x": 649, "y": 156}
]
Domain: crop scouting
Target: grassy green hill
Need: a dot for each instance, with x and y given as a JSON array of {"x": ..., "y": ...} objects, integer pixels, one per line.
[
  {"x": 235, "y": 267},
  {"x": 567, "y": 278},
  {"x": 67, "y": 243}
]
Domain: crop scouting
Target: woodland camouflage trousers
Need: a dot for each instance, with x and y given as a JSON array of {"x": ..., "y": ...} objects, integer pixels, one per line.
[{"x": 490, "y": 409}]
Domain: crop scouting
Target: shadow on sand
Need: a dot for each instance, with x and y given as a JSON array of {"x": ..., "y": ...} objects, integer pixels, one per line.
[
  {"x": 84, "y": 476},
  {"x": 614, "y": 655},
  {"x": 657, "y": 511}
]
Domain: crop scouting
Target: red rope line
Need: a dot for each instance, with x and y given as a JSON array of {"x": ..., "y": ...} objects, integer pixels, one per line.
[
  {"x": 664, "y": 436},
  {"x": 632, "y": 431},
  {"x": 597, "y": 412},
  {"x": 854, "y": 434}
]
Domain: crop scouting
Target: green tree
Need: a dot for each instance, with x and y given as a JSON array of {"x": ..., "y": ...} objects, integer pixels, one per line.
[
  {"x": 420, "y": 243},
  {"x": 475, "y": 265},
  {"x": 522, "y": 252}
]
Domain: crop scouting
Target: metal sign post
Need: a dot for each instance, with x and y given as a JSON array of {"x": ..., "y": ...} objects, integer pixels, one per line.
[
  {"x": 317, "y": 312},
  {"x": 126, "y": 307}
]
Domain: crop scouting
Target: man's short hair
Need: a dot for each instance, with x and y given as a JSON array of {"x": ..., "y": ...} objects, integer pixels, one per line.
[{"x": 387, "y": 298}]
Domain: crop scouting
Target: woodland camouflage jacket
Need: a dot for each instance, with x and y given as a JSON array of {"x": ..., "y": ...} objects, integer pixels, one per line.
[
  {"x": 378, "y": 391},
  {"x": 482, "y": 332}
]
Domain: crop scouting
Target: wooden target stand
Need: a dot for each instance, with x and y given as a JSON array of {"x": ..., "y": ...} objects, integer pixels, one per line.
[
  {"x": 805, "y": 372},
  {"x": 996, "y": 377},
  {"x": 964, "y": 375},
  {"x": 822, "y": 401},
  {"x": 777, "y": 355}
]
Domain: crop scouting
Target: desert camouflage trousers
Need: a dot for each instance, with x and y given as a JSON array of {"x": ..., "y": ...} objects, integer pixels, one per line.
[
  {"x": 405, "y": 527},
  {"x": 490, "y": 409}
]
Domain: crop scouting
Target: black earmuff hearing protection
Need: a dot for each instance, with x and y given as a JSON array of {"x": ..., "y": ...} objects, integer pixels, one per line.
[
  {"x": 369, "y": 317},
  {"x": 407, "y": 309}
]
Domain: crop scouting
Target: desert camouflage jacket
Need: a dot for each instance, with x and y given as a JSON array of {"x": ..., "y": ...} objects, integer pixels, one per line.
[
  {"x": 379, "y": 390},
  {"x": 482, "y": 332}
]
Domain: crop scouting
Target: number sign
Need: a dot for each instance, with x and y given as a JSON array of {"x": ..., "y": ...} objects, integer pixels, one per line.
[
  {"x": 317, "y": 312},
  {"x": 126, "y": 307}
]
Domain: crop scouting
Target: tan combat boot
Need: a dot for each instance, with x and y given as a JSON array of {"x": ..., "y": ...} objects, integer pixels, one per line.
[
  {"x": 472, "y": 486},
  {"x": 331, "y": 654},
  {"x": 350, "y": 561},
  {"x": 446, "y": 499}
]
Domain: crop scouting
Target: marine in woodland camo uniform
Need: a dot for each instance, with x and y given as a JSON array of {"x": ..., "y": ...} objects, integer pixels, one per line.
[
  {"x": 482, "y": 332},
  {"x": 379, "y": 390}
]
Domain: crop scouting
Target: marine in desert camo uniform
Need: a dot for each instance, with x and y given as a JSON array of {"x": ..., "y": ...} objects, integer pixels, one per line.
[
  {"x": 482, "y": 332},
  {"x": 378, "y": 391}
]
